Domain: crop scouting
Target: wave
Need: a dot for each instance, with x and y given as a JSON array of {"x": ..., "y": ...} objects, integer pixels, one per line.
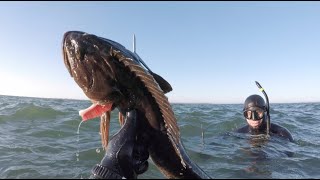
[{"x": 29, "y": 111}]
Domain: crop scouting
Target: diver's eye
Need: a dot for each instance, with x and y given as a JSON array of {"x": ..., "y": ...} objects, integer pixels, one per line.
[
  {"x": 255, "y": 114},
  {"x": 260, "y": 113}
]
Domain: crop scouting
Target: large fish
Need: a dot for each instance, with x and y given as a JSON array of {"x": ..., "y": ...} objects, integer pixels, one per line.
[{"x": 113, "y": 77}]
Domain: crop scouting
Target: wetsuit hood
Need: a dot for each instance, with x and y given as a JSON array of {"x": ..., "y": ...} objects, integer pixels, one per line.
[{"x": 254, "y": 102}]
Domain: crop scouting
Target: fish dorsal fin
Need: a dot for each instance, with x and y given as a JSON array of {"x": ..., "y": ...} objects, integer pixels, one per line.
[{"x": 164, "y": 85}]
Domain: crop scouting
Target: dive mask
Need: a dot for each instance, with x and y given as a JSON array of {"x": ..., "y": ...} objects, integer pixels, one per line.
[{"x": 254, "y": 114}]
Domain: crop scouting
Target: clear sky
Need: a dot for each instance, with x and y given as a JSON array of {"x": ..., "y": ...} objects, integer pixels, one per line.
[{"x": 210, "y": 52}]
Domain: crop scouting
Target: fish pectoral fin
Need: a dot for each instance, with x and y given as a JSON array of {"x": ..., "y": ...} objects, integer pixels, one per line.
[{"x": 164, "y": 85}]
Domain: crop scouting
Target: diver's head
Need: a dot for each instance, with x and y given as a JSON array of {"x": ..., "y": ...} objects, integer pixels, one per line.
[{"x": 254, "y": 110}]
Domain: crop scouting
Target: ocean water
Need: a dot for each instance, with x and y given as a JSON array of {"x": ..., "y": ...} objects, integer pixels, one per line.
[{"x": 39, "y": 139}]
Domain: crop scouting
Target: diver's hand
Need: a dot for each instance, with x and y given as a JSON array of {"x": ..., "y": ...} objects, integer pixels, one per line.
[{"x": 125, "y": 157}]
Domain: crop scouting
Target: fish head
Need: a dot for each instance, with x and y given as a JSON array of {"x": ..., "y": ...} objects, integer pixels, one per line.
[
  {"x": 96, "y": 65},
  {"x": 93, "y": 69}
]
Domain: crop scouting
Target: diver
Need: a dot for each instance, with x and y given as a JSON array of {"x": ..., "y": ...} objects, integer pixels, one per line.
[
  {"x": 126, "y": 155},
  {"x": 256, "y": 113}
]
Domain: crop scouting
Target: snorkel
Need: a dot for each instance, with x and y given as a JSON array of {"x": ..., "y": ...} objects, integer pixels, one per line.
[{"x": 267, "y": 106}]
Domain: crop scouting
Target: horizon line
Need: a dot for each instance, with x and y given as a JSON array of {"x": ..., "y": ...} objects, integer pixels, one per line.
[{"x": 173, "y": 102}]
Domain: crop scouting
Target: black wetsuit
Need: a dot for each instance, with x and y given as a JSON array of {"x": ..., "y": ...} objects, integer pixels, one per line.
[{"x": 274, "y": 130}]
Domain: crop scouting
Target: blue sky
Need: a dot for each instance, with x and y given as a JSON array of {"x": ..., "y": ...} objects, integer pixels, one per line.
[{"x": 210, "y": 52}]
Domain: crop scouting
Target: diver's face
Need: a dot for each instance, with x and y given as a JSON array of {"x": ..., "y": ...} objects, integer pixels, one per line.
[
  {"x": 254, "y": 124},
  {"x": 254, "y": 116}
]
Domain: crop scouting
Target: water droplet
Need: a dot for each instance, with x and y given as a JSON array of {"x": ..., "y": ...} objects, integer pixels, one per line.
[
  {"x": 79, "y": 127},
  {"x": 77, "y": 155},
  {"x": 98, "y": 150},
  {"x": 78, "y": 138}
]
